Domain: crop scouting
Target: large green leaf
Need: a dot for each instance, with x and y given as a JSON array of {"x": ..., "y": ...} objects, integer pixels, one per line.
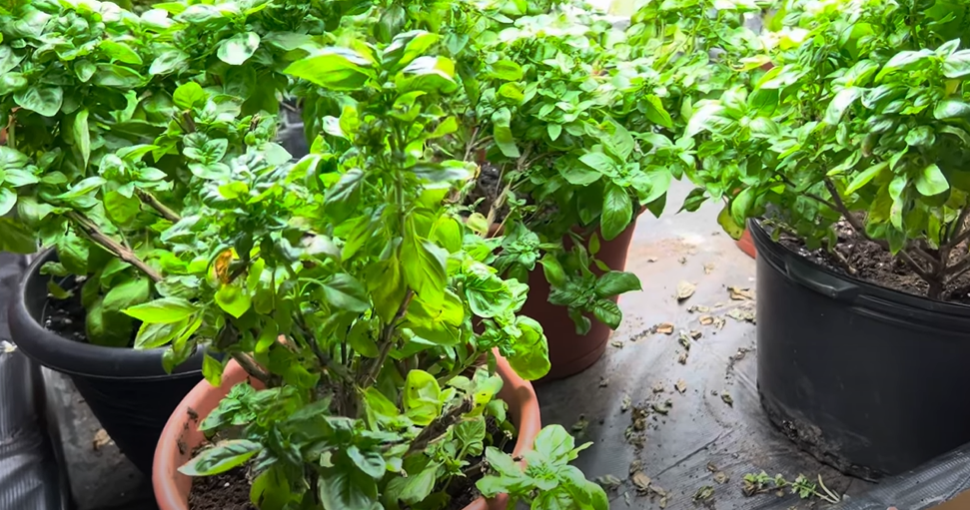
[
  {"x": 82, "y": 136},
  {"x": 162, "y": 311},
  {"x": 422, "y": 397},
  {"x": 236, "y": 50},
  {"x": 333, "y": 68},
  {"x": 416, "y": 488},
  {"x": 346, "y": 293},
  {"x": 424, "y": 268},
  {"x": 222, "y": 457},
  {"x": 931, "y": 181},
  {"x": 16, "y": 237},
  {"x": 555, "y": 444},
  {"x": 234, "y": 300},
  {"x": 615, "y": 283},
  {"x": 43, "y": 100},
  {"x": 617, "y": 211},
  {"x": 189, "y": 95},
  {"x": 840, "y": 103},
  {"x": 8, "y": 199},
  {"x": 530, "y": 352},
  {"x": 344, "y": 487},
  {"x": 957, "y": 64},
  {"x": 502, "y": 132},
  {"x": 128, "y": 294}
]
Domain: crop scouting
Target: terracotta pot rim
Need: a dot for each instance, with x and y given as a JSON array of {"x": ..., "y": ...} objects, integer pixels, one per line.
[{"x": 181, "y": 434}]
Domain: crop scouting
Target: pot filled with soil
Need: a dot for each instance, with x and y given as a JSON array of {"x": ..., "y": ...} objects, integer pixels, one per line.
[
  {"x": 853, "y": 364},
  {"x": 181, "y": 438},
  {"x": 570, "y": 352},
  {"x": 127, "y": 389}
]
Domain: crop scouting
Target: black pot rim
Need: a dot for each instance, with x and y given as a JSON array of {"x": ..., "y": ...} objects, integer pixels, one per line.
[
  {"x": 82, "y": 359},
  {"x": 862, "y": 293}
]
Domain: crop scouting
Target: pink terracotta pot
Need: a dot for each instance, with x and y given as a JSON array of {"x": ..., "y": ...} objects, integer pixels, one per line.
[
  {"x": 747, "y": 244},
  {"x": 569, "y": 352},
  {"x": 181, "y": 435}
]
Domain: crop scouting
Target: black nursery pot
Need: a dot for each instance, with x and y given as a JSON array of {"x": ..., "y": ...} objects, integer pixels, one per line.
[
  {"x": 127, "y": 389},
  {"x": 869, "y": 380}
]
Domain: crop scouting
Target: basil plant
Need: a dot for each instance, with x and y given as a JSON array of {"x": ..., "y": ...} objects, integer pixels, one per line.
[
  {"x": 546, "y": 113},
  {"x": 862, "y": 120},
  {"x": 103, "y": 145}
]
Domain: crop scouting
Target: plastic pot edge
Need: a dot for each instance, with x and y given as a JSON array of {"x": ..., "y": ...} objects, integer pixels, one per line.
[{"x": 75, "y": 358}]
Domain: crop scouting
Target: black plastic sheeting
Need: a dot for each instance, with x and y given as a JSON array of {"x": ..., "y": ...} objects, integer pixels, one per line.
[
  {"x": 925, "y": 487},
  {"x": 30, "y": 477}
]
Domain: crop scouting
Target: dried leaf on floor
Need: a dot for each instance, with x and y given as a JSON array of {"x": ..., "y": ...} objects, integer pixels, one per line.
[
  {"x": 736, "y": 357},
  {"x": 704, "y": 493},
  {"x": 698, "y": 308},
  {"x": 726, "y": 397},
  {"x": 641, "y": 481},
  {"x": 662, "y": 408},
  {"x": 742, "y": 314},
  {"x": 609, "y": 482},
  {"x": 682, "y": 260},
  {"x": 696, "y": 334},
  {"x": 604, "y": 382},
  {"x": 639, "y": 419},
  {"x": 740, "y": 293},
  {"x": 635, "y": 465},
  {"x": 711, "y": 467},
  {"x": 663, "y": 502},
  {"x": 101, "y": 439},
  {"x": 682, "y": 359},
  {"x": 708, "y": 320},
  {"x": 721, "y": 477},
  {"x": 681, "y": 386},
  {"x": 665, "y": 328},
  {"x": 708, "y": 268},
  {"x": 626, "y": 498},
  {"x": 685, "y": 290},
  {"x": 579, "y": 428},
  {"x": 684, "y": 340},
  {"x": 625, "y": 405},
  {"x": 658, "y": 387},
  {"x": 616, "y": 343}
]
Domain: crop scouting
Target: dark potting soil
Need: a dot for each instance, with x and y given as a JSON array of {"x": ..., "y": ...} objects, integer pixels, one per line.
[
  {"x": 226, "y": 491},
  {"x": 66, "y": 316},
  {"x": 860, "y": 258},
  {"x": 488, "y": 187}
]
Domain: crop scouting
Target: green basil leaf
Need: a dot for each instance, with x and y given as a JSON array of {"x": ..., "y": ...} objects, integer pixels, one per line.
[
  {"x": 617, "y": 212},
  {"x": 222, "y": 457},
  {"x": 236, "y": 50},
  {"x": 162, "y": 311}
]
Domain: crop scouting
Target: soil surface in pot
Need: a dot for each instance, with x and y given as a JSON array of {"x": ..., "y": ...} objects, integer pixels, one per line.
[
  {"x": 66, "y": 317},
  {"x": 230, "y": 490},
  {"x": 488, "y": 188},
  {"x": 226, "y": 491},
  {"x": 860, "y": 258}
]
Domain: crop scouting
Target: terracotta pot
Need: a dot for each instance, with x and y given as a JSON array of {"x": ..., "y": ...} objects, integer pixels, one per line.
[
  {"x": 569, "y": 352},
  {"x": 181, "y": 435},
  {"x": 747, "y": 244}
]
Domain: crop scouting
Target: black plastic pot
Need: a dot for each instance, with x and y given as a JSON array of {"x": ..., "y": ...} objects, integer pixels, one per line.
[
  {"x": 128, "y": 390},
  {"x": 869, "y": 380}
]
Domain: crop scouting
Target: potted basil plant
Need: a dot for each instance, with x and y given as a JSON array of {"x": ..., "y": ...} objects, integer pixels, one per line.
[
  {"x": 849, "y": 160},
  {"x": 369, "y": 338},
  {"x": 103, "y": 147}
]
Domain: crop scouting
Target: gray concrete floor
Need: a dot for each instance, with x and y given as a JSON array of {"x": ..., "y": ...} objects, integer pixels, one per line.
[{"x": 700, "y": 442}]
